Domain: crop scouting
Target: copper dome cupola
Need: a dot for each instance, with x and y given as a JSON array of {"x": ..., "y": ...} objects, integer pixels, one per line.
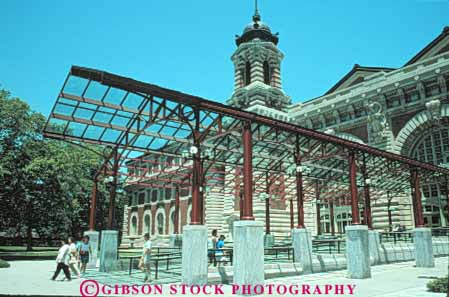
[{"x": 257, "y": 30}]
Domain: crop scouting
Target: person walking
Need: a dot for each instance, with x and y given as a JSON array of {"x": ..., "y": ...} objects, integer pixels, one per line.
[
  {"x": 211, "y": 245},
  {"x": 73, "y": 262},
  {"x": 146, "y": 254},
  {"x": 84, "y": 251},
  {"x": 219, "y": 254},
  {"x": 62, "y": 261}
]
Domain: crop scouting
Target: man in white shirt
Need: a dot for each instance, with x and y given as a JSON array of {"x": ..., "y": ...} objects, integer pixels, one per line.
[
  {"x": 147, "y": 257},
  {"x": 62, "y": 261},
  {"x": 73, "y": 256}
]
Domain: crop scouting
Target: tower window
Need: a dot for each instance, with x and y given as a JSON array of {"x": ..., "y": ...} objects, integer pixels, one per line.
[
  {"x": 266, "y": 73},
  {"x": 247, "y": 73}
]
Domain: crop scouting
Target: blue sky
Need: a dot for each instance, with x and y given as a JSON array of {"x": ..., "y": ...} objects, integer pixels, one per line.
[{"x": 186, "y": 45}]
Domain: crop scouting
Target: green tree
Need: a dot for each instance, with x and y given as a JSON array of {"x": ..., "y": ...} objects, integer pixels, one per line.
[{"x": 45, "y": 185}]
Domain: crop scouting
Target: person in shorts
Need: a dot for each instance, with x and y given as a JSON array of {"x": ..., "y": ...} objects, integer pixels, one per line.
[
  {"x": 84, "y": 252},
  {"x": 146, "y": 254},
  {"x": 211, "y": 245}
]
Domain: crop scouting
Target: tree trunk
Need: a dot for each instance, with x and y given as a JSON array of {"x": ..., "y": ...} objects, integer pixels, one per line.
[{"x": 29, "y": 230}]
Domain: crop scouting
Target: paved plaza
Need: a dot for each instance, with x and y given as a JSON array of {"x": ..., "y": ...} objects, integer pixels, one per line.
[{"x": 394, "y": 280}]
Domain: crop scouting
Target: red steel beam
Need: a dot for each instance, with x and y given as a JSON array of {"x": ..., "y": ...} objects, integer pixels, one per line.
[
  {"x": 419, "y": 222},
  {"x": 353, "y": 189},
  {"x": 247, "y": 173},
  {"x": 131, "y": 85}
]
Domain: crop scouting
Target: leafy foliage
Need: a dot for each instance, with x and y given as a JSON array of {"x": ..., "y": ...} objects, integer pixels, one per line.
[
  {"x": 4, "y": 264},
  {"x": 45, "y": 185},
  {"x": 439, "y": 285}
]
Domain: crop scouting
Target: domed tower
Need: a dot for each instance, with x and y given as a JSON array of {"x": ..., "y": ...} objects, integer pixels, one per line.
[{"x": 257, "y": 63}]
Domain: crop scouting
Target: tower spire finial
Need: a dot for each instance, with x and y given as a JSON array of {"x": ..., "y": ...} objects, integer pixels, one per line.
[{"x": 256, "y": 16}]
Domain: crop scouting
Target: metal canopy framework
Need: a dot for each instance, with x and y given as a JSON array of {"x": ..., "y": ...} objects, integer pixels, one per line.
[{"x": 140, "y": 121}]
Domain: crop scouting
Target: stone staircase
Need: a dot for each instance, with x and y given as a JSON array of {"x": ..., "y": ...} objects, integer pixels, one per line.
[{"x": 214, "y": 206}]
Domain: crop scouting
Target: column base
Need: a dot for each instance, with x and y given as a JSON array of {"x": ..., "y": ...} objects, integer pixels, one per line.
[
  {"x": 357, "y": 252},
  {"x": 374, "y": 246},
  {"x": 94, "y": 238},
  {"x": 108, "y": 250},
  {"x": 248, "y": 262},
  {"x": 302, "y": 248},
  {"x": 194, "y": 255},
  {"x": 422, "y": 239}
]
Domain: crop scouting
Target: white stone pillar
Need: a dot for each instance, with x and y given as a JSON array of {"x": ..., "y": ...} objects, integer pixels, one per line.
[
  {"x": 422, "y": 238},
  {"x": 374, "y": 246},
  {"x": 94, "y": 240},
  {"x": 194, "y": 255},
  {"x": 357, "y": 252},
  {"x": 302, "y": 249},
  {"x": 108, "y": 250},
  {"x": 248, "y": 261}
]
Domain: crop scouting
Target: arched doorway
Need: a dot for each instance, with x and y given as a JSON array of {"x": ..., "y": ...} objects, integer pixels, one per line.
[{"x": 433, "y": 147}]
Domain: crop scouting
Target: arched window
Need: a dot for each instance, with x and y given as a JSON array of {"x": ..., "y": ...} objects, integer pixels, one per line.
[
  {"x": 266, "y": 73},
  {"x": 247, "y": 73},
  {"x": 433, "y": 147},
  {"x": 168, "y": 193},
  {"x": 147, "y": 224},
  {"x": 172, "y": 221},
  {"x": 160, "y": 223},
  {"x": 133, "y": 229},
  {"x": 154, "y": 196}
]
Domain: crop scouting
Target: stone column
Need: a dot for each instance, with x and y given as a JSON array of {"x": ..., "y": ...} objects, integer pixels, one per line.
[
  {"x": 422, "y": 238},
  {"x": 248, "y": 259},
  {"x": 357, "y": 252},
  {"x": 108, "y": 250},
  {"x": 302, "y": 248},
  {"x": 374, "y": 246},
  {"x": 194, "y": 255},
  {"x": 94, "y": 240}
]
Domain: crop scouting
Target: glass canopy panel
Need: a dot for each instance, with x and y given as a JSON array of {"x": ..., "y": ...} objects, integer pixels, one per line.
[
  {"x": 133, "y": 101},
  {"x": 115, "y": 96},
  {"x": 93, "y": 132},
  {"x": 56, "y": 125},
  {"x": 83, "y": 113},
  {"x": 102, "y": 117},
  {"x": 64, "y": 109},
  {"x": 75, "y": 85},
  {"x": 120, "y": 121},
  {"x": 110, "y": 135},
  {"x": 76, "y": 129},
  {"x": 143, "y": 141},
  {"x": 95, "y": 91}
]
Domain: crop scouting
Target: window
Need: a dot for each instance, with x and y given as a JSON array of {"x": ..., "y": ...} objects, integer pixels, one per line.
[
  {"x": 411, "y": 94},
  {"x": 266, "y": 73},
  {"x": 154, "y": 196},
  {"x": 247, "y": 73},
  {"x": 142, "y": 198},
  {"x": 133, "y": 230},
  {"x": 147, "y": 224},
  {"x": 160, "y": 223},
  {"x": 168, "y": 193},
  {"x": 433, "y": 147}
]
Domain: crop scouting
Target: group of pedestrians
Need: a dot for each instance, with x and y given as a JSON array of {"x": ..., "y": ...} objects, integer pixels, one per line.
[
  {"x": 74, "y": 256},
  {"x": 215, "y": 247}
]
